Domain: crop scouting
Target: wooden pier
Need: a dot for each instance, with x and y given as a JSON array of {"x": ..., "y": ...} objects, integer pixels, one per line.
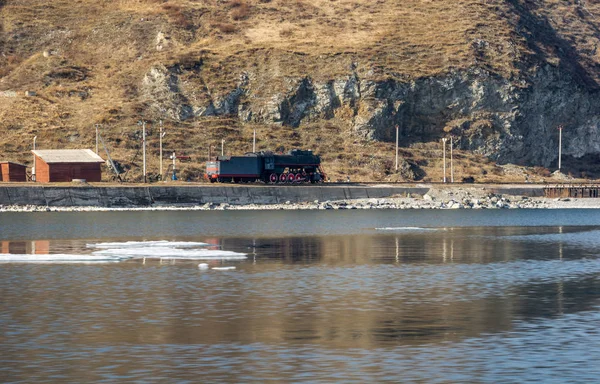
[{"x": 571, "y": 190}]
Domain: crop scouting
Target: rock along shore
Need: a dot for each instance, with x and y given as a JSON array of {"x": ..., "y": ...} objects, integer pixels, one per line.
[{"x": 435, "y": 198}]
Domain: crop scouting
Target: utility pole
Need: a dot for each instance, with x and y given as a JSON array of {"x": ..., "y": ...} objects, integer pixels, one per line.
[
  {"x": 96, "y": 139},
  {"x": 222, "y": 146},
  {"x": 112, "y": 163},
  {"x": 254, "y": 142},
  {"x": 444, "y": 156},
  {"x": 396, "y": 148},
  {"x": 33, "y": 167},
  {"x": 160, "y": 138},
  {"x": 560, "y": 128},
  {"x": 144, "y": 145},
  {"x": 451, "y": 162}
]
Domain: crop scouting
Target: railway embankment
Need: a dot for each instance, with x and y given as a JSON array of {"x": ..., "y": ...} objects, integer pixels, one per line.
[
  {"x": 319, "y": 196},
  {"x": 145, "y": 196}
]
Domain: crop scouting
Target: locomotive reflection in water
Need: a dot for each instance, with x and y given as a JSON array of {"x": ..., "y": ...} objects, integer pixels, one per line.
[{"x": 297, "y": 166}]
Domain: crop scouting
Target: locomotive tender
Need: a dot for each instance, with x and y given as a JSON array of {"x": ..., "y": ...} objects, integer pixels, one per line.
[{"x": 297, "y": 166}]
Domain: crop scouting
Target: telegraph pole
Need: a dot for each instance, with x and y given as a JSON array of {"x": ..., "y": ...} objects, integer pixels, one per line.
[
  {"x": 560, "y": 128},
  {"x": 222, "y": 146},
  {"x": 451, "y": 163},
  {"x": 254, "y": 142},
  {"x": 160, "y": 137},
  {"x": 396, "y": 148},
  {"x": 144, "y": 145},
  {"x": 33, "y": 168},
  {"x": 444, "y": 156},
  {"x": 96, "y": 139},
  {"x": 143, "y": 124}
]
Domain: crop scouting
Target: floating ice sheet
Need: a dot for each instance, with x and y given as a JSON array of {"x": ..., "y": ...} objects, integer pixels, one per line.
[
  {"x": 118, "y": 251},
  {"x": 170, "y": 253}
]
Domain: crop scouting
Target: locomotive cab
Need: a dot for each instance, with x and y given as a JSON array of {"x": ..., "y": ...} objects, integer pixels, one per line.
[{"x": 212, "y": 170}]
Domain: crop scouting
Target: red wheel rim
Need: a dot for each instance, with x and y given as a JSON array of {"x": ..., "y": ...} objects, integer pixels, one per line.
[
  {"x": 283, "y": 177},
  {"x": 273, "y": 178},
  {"x": 291, "y": 178},
  {"x": 299, "y": 178}
]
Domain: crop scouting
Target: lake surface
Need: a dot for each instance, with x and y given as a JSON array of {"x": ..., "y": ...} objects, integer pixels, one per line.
[{"x": 315, "y": 296}]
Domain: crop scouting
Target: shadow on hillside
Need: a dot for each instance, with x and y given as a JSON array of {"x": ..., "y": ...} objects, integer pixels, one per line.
[
  {"x": 540, "y": 33},
  {"x": 585, "y": 167}
]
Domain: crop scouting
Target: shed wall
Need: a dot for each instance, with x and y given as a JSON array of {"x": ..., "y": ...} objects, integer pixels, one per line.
[
  {"x": 42, "y": 171},
  {"x": 66, "y": 172},
  {"x": 12, "y": 172}
]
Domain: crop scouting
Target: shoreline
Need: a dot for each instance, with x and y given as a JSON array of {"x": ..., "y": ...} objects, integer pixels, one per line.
[
  {"x": 286, "y": 198},
  {"x": 426, "y": 202}
]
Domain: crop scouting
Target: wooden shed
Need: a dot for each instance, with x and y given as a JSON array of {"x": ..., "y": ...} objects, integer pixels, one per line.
[
  {"x": 10, "y": 171},
  {"x": 64, "y": 165}
]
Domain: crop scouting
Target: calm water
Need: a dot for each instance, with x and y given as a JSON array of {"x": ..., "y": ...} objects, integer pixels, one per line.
[{"x": 315, "y": 296}]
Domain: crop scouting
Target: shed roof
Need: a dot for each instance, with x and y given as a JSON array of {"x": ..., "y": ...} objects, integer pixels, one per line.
[{"x": 50, "y": 156}]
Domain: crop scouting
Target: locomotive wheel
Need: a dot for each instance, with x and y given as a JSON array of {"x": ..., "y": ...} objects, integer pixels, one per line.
[
  {"x": 291, "y": 178},
  {"x": 283, "y": 178},
  {"x": 299, "y": 178},
  {"x": 273, "y": 178}
]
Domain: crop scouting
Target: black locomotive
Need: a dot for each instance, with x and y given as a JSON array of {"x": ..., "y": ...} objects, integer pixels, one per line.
[{"x": 297, "y": 166}]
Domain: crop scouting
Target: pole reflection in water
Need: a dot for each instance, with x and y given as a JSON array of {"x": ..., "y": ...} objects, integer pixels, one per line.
[{"x": 378, "y": 306}]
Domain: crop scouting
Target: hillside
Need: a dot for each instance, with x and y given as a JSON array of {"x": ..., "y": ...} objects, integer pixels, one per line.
[{"x": 335, "y": 76}]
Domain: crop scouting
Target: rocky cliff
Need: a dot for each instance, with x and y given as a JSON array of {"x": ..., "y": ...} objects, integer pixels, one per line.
[{"x": 483, "y": 112}]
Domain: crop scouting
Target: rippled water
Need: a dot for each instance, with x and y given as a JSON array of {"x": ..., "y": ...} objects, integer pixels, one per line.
[{"x": 362, "y": 296}]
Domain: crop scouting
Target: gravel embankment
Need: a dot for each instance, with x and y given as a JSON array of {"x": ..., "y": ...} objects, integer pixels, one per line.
[{"x": 436, "y": 198}]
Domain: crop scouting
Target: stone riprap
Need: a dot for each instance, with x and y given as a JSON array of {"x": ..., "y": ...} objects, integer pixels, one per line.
[{"x": 38, "y": 198}]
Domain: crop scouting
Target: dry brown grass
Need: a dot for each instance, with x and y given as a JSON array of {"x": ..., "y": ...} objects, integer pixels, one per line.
[{"x": 280, "y": 39}]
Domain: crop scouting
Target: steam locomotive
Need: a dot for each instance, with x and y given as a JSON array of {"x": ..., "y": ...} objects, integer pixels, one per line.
[{"x": 297, "y": 166}]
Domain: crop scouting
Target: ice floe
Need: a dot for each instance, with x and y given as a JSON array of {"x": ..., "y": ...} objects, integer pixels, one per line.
[
  {"x": 170, "y": 253},
  {"x": 406, "y": 229},
  {"x": 119, "y": 251}
]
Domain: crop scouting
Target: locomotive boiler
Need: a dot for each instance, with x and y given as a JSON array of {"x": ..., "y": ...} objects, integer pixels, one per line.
[{"x": 296, "y": 166}]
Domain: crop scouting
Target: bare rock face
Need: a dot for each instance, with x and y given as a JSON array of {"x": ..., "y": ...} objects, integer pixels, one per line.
[
  {"x": 160, "y": 89},
  {"x": 510, "y": 121},
  {"x": 409, "y": 171},
  {"x": 162, "y": 41}
]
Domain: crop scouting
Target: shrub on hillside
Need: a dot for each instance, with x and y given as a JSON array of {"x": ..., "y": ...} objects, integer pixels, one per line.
[
  {"x": 241, "y": 12},
  {"x": 541, "y": 171},
  {"x": 177, "y": 15},
  {"x": 226, "y": 27}
]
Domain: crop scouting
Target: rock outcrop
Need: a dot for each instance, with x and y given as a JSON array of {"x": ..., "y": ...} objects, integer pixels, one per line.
[{"x": 508, "y": 121}]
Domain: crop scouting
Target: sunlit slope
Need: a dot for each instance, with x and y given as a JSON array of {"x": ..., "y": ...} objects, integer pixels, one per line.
[{"x": 87, "y": 61}]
